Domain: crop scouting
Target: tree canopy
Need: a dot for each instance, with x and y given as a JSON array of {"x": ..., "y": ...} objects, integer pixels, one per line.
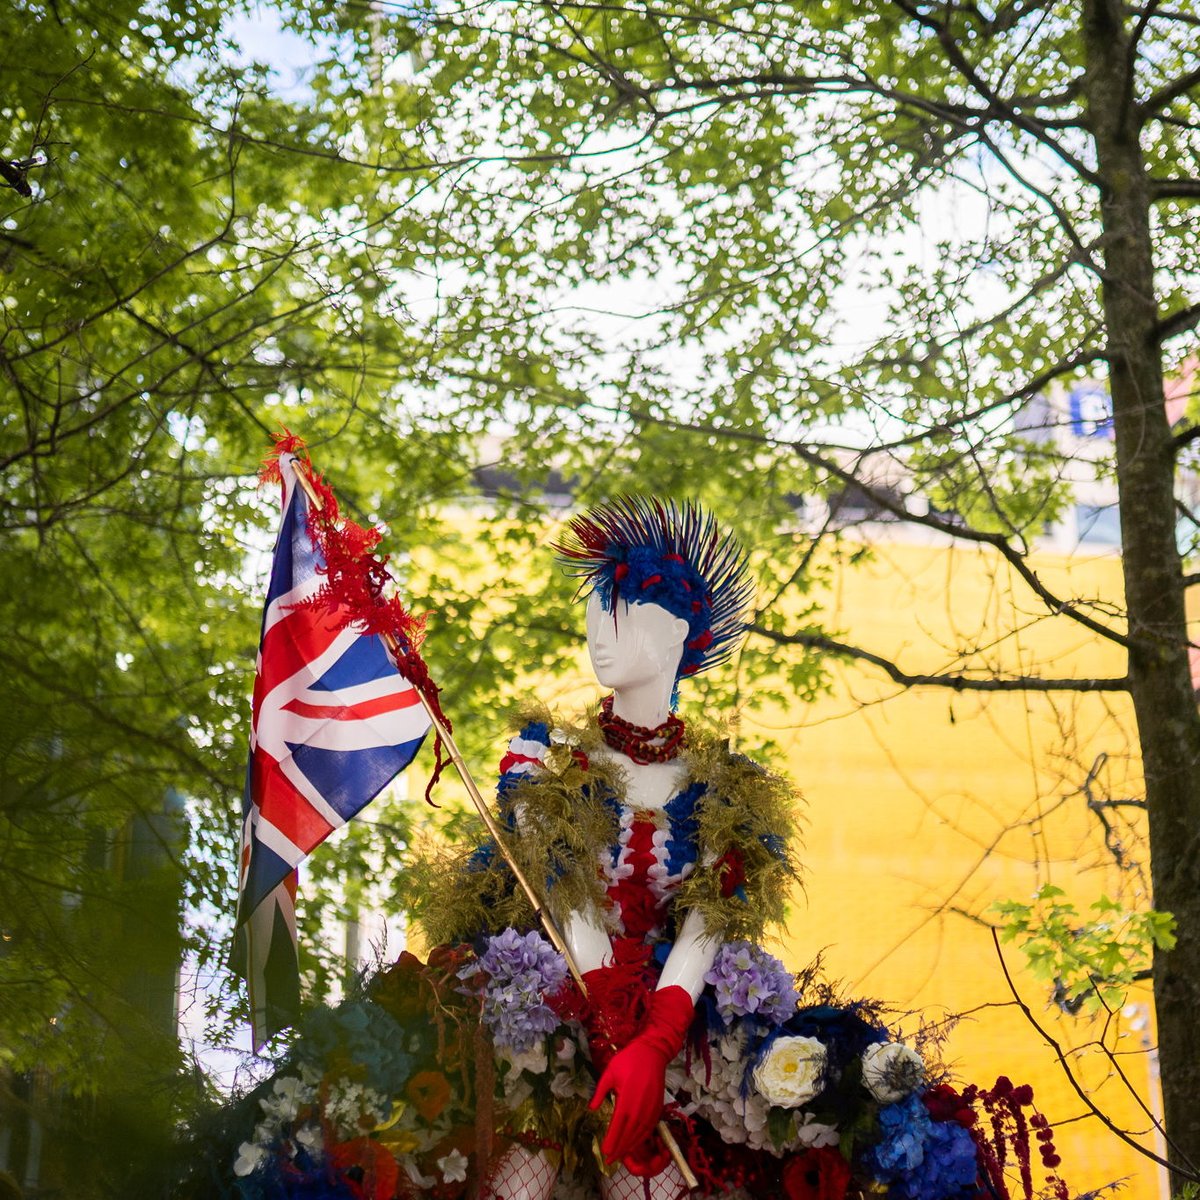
[{"x": 760, "y": 254}]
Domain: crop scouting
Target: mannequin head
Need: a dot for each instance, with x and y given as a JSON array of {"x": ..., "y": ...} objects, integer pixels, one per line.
[
  {"x": 634, "y": 646},
  {"x": 639, "y": 553}
]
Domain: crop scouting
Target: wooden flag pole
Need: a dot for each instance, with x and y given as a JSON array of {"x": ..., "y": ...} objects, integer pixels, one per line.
[{"x": 497, "y": 835}]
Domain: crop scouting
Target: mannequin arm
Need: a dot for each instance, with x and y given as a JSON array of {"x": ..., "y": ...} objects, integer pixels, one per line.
[
  {"x": 690, "y": 958},
  {"x": 587, "y": 940}
]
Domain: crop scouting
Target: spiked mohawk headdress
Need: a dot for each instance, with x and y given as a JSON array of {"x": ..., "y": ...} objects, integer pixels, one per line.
[{"x": 645, "y": 551}]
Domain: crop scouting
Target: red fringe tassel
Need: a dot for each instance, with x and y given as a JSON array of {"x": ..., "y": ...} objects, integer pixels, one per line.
[{"x": 356, "y": 588}]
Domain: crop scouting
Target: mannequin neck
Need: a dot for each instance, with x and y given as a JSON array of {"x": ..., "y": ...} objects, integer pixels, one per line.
[{"x": 647, "y": 704}]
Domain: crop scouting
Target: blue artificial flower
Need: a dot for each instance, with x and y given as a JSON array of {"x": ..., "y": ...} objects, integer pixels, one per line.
[
  {"x": 905, "y": 1127},
  {"x": 923, "y": 1159},
  {"x": 364, "y": 1033},
  {"x": 949, "y": 1169}
]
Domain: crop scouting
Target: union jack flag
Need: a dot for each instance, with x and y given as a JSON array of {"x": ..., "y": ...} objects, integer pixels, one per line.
[{"x": 333, "y": 723}]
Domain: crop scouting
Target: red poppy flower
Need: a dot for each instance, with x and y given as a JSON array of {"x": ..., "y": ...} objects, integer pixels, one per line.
[
  {"x": 430, "y": 1092},
  {"x": 368, "y": 1169},
  {"x": 817, "y": 1174}
]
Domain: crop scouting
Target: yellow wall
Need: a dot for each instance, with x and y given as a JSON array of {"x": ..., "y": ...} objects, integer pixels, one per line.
[{"x": 927, "y": 804}]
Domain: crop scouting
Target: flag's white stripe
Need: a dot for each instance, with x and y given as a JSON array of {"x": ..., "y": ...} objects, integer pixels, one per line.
[
  {"x": 362, "y": 733},
  {"x": 372, "y": 689},
  {"x": 279, "y": 842},
  {"x": 281, "y": 606},
  {"x": 310, "y": 672}
]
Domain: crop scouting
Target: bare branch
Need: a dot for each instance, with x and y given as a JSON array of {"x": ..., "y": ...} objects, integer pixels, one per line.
[
  {"x": 956, "y": 682},
  {"x": 1011, "y": 554},
  {"x": 1080, "y": 1091},
  {"x": 1174, "y": 189},
  {"x": 1182, "y": 321}
]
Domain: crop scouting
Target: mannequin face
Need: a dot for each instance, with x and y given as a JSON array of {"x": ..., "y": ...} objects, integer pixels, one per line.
[{"x": 643, "y": 645}]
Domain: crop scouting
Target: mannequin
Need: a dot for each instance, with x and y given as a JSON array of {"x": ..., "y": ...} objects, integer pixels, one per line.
[
  {"x": 635, "y": 650},
  {"x": 658, "y": 847}
]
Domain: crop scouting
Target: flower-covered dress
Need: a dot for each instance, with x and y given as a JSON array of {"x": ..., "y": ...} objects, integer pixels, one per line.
[{"x": 781, "y": 1088}]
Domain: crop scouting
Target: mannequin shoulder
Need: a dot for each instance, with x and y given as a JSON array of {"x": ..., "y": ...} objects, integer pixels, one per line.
[
  {"x": 526, "y": 752},
  {"x": 544, "y": 742}
]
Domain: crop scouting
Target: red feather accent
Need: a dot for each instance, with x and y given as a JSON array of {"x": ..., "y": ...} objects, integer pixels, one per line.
[{"x": 356, "y": 590}]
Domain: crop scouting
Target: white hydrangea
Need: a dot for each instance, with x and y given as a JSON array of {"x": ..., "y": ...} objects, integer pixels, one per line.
[
  {"x": 311, "y": 1138},
  {"x": 353, "y": 1107},
  {"x": 288, "y": 1095},
  {"x": 534, "y": 1060},
  {"x": 568, "y": 1081},
  {"x": 811, "y": 1133},
  {"x": 249, "y": 1158},
  {"x": 714, "y": 1091}
]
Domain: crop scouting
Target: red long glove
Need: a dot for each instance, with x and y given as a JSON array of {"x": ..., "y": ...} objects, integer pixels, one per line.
[{"x": 637, "y": 1074}]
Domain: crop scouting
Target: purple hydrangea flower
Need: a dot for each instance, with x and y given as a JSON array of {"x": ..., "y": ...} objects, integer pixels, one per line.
[
  {"x": 749, "y": 981},
  {"x": 521, "y": 971}
]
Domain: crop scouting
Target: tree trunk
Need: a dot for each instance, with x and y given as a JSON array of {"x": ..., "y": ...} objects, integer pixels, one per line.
[{"x": 1160, "y": 680}]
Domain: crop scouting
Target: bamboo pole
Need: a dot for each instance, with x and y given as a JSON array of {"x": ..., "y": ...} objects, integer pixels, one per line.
[{"x": 497, "y": 835}]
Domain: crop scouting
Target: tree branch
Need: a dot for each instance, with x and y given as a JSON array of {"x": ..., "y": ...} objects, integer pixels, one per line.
[
  {"x": 967, "y": 70},
  {"x": 1164, "y": 96},
  {"x": 1178, "y": 322},
  {"x": 1174, "y": 189},
  {"x": 1001, "y": 544},
  {"x": 1060, "y": 1054},
  {"x": 958, "y": 683}
]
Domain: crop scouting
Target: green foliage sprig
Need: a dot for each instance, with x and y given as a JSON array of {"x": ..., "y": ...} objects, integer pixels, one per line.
[{"x": 1091, "y": 963}]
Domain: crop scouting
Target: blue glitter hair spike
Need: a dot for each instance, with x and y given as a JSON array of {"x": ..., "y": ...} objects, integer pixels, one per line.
[{"x": 647, "y": 551}]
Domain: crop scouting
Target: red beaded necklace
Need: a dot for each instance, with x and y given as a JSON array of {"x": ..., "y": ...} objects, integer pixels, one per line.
[{"x": 639, "y": 743}]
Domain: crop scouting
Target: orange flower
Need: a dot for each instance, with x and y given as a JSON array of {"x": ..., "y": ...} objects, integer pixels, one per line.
[
  {"x": 429, "y": 1091},
  {"x": 376, "y": 1174}
]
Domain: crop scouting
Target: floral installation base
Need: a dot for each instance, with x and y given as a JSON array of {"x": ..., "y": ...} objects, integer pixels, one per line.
[{"x": 418, "y": 1086}]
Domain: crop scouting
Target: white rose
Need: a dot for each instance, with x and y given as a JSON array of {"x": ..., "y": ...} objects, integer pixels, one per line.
[
  {"x": 790, "y": 1072},
  {"x": 250, "y": 1158},
  {"x": 891, "y": 1071}
]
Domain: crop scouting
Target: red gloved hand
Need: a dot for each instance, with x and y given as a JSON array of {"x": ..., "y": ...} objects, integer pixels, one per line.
[
  {"x": 637, "y": 1074},
  {"x": 618, "y": 998}
]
